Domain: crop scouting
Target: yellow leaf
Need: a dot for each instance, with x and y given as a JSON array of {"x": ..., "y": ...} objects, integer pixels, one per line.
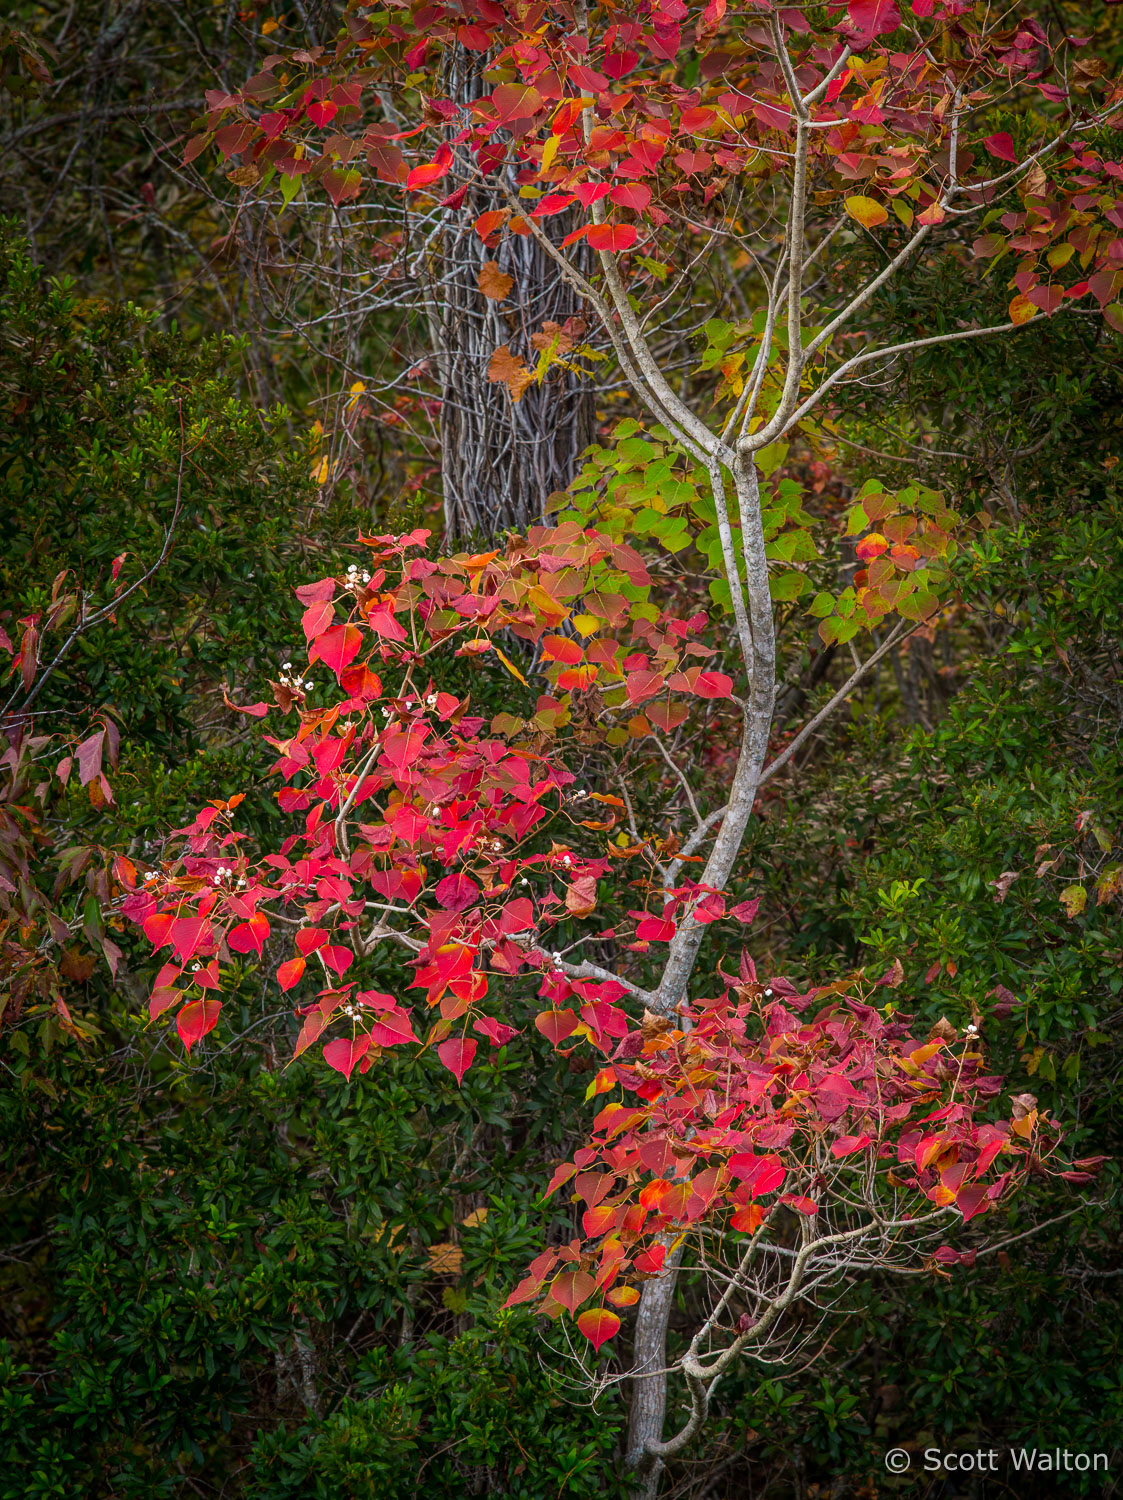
[
  {"x": 1022, "y": 310},
  {"x": 477, "y": 1216},
  {"x": 586, "y": 624},
  {"x": 269, "y": 26},
  {"x": 868, "y": 212},
  {"x": 514, "y": 671},
  {"x": 445, "y": 1259},
  {"x": 549, "y": 151}
]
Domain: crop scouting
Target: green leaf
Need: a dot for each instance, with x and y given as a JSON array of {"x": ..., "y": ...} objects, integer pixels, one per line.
[{"x": 785, "y": 587}]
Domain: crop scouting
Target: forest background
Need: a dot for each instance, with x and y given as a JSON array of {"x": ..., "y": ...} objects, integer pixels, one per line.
[{"x": 222, "y": 1276}]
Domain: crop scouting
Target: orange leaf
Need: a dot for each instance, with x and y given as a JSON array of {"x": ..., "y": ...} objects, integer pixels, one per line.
[
  {"x": 748, "y": 1220},
  {"x": 489, "y": 222},
  {"x": 613, "y": 237},
  {"x": 871, "y": 546},
  {"x": 493, "y": 282},
  {"x": 598, "y": 1325},
  {"x": 509, "y": 369}
]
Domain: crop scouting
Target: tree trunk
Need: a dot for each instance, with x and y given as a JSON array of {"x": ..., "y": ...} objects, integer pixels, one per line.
[
  {"x": 500, "y": 459},
  {"x": 649, "y": 1384}
]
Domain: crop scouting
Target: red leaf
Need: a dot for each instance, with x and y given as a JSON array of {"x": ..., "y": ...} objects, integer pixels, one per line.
[
  {"x": 562, "y": 1174},
  {"x": 643, "y": 684},
  {"x": 157, "y": 928},
  {"x": 189, "y": 934},
  {"x": 392, "y": 1029},
  {"x": 89, "y": 757},
  {"x": 871, "y": 546},
  {"x": 846, "y": 1145},
  {"x": 457, "y": 892},
  {"x": 342, "y": 1054},
  {"x": 561, "y": 648},
  {"x": 666, "y": 716},
  {"x": 308, "y": 939},
  {"x": 651, "y": 1261},
  {"x": 255, "y": 710},
  {"x": 748, "y": 1219},
  {"x": 571, "y": 1288},
  {"x": 598, "y": 1220},
  {"x": 633, "y": 195},
  {"x": 337, "y": 647},
  {"x": 801, "y": 1205},
  {"x": 322, "y": 113},
  {"x": 1002, "y": 146},
  {"x": 656, "y": 929},
  {"x": 196, "y": 1019},
  {"x": 598, "y": 1325},
  {"x": 338, "y": 959},
  {"x": 317, "y": 617},
  {"x": 971, "y": 1200},
  {"x": 457, "y": 1054},
  {"x": 713, "y": 685},
  {"x": 516, "y": 101},
  {"x": 552, "y": 203},
  {"x": 316, "y": 593},
  {"x": 382, "y": 621},
  {"x": 489, "y": 222},
  {"x": 431, "y": 171},
  {"x": 248, "y": 937}
]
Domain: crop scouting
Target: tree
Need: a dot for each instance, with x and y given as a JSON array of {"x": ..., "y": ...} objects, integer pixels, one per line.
[
  {"x": 903, "y": 105},
  {"x": 739, "y": 475}
]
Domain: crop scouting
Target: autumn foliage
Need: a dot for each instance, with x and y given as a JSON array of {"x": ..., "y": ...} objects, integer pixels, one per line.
[{"x": 417, "y": 823}]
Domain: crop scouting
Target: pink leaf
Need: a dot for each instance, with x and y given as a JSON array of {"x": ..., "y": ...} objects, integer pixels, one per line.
[
  {"x": 495, "y": 1031},
  {"x": 874, "y": 17},
  {"x": 457, "y": 892},
  {"x": 342, "y": 1054}
]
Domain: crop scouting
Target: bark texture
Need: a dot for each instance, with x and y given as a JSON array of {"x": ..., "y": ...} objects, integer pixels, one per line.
[
  {"x": 502, "y": 459},
  {"x": 648, "y": 1408}
]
